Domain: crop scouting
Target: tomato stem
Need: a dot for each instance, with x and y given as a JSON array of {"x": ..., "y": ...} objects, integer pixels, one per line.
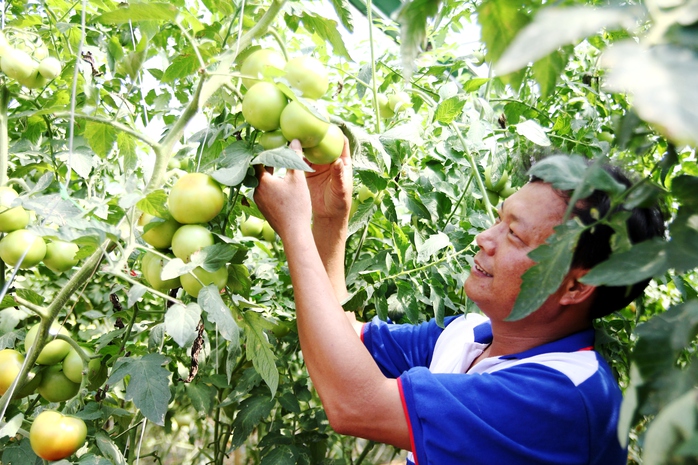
[{"x": 4, "y": 140}]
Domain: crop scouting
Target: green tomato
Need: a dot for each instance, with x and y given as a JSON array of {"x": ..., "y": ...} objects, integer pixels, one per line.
[
  {"x": 54, "y": 436},
  {"x": 507, "y": 190},
  {"x": 60, "y": 256},
  {"x": 50, "y": 67},
  {"x": 366, "y": 194},
  {"x": 261, "y": 63},
  {"x": 268, "y": 233},
  {"x": 4, "y": 45},
  {"x": 34, "y": 81},
  {"x": 14, "y": 245},
  {"x": 159, "y": 232},
  {"x": 96, "y": 372},
  {"x": 272, "y": 140},
  {"x": 298, "y": 123},
  {"x": 605, "y": 136},
  {"x": 308, "y": 75},
  {"x": 493, "y": 197},
  {"x": 497, "y": 185},
  {"x": 384, "y": 108},
  {"x": 478, "y": 58},
  {"x": 399, "y": 102},
  {"x": 192, "y": 286},
  {"x": 11, "y": 218},
  {"x": 55, "y": 385},
  {"x": 195, "y": 198},
  {"x": 10, "y": 364},
  {"x": 189, "y": 239},
  {"x": 262, "y": 106},
  {"x": 329, "y": 148},
  {"x": 252, "y": 227},
  {"x": 151, "y": 267},
  {"x": 55, "y": 350},
  {"x": 17, "y": 64}
]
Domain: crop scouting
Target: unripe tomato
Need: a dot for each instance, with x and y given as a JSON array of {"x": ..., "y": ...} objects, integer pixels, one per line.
[
  {"x": 34, "y": 81},
  {"x": 507, "y": 191},
  {"x": 17, "y": 64},
  {"x": 40, "y": 53},
  {"x": 4, "y": 45},
  {"x": 308, "y": 75},
  {"x": 478, "y": 58},
  {"x": 72, "y": 369},
  {"x": 151, "y": 267},
  {"x": 54, "y": 436},
  {"x": 252, "y": 227},
  {"x": 384, "y": 108},
  {"x": 10, "y": 364},
  {"x": 399, "y": 102},
  {"x": 60, "y": 256},
  {"x": 268, "y": 233},
  {"x": 366, "y": 194},
  {"x": 55, "y": 350},
  {"x": 195, "y": 198},
  {"x": 262, "y": 106},
  {"x": 50, "y": 67},
  {"x": 329, "y": 148},
  {"x": 190, "y": 238},
  {"x": 55, "y": 385},
  {"x": 298, "y": 123},
  {"x": 11, "y": 218},
  {"x": 14, "y": 245},
  {"x": 272, "y": 140},
  {"x": 160, "y": 234},
  {"x": 261, "y": 64},
  {"x": 192, "y": 286},
  {"x": 493, "y": 197},
  {"x": 497, "y": 185}
]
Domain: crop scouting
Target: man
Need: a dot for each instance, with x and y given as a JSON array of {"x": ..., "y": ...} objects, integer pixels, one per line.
[{"x": 482, "y": 390}]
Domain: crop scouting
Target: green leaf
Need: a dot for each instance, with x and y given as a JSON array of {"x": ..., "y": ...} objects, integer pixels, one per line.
[
  {"x": 683, "y": 247},
  {"x": 139, "y": 12},
  {"x": 127, "y": 149},
  {"x": 149, "y": 384},
  {"x": 201, "y": 396},
  {"x": 182, "y": 66},
  {"x": 343, "y": 13},
  {"x": 280, "y": 454},
  {"x": 667, "y": 98},
  {"x": 259, "y": 350},
  {"x": 217, "y": 312},
  {"x": 547, "y": 70},
  {"x": 155, "y": 203},
  {"x": 91, "y": 459},
  {"x": 327, "y": 29},
  {"x": 562, "y": 171},
  {"x": 500, "y": 22},
  {"x": 432, "y": 246},
  {"x": 685, "y": 189},
  {"x": 533, "y": 131},
  {"x": 20, "y": 454},
  {"x": 101, "y": 137},
  {"x": 642, "y": 261},
  {"x": 10, "y": 428},
  {"x": 449, "y": 110},
  {"x": 181, "y": 323},
  {"x": 471, "y": 85},
  {"x": 239, "y": 281},
  {"x": 554, "y": 27},
  {"x": 553, "y": 261},
  {"x": 217, "y": 255},
  {"x": 672, "y": 426},
  {"x": 107, "y": 446},
  {"x": 31, "y": 296},
  {"x": 282, "y": 157},
  {"x": 252, "y": 411},
  {"x": 413, "y": 17}
]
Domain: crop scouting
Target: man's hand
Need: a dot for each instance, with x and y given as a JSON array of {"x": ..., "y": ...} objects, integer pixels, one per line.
[
  {"x": 331, "y": 187},
  {"x": 284, "y": 202}
]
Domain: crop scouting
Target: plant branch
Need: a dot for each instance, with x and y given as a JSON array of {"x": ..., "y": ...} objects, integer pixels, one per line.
[
  {"x": 116, "y": 125},
  {"x": 4, "y": 139}
]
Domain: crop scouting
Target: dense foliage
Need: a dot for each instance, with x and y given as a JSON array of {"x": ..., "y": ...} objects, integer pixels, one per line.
[{"x": 140, "y": 94}]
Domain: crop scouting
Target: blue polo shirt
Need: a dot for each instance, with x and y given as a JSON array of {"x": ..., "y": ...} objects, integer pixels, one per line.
[{"x": 555, "y": 404}]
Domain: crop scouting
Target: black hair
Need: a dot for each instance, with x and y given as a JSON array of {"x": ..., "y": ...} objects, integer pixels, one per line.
[{"x": 594, "y": 245}]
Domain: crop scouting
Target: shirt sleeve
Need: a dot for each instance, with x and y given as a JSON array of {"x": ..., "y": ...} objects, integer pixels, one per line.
[
  {"x": 398, "y": 347},
  {"x": 528, "y": 414}
]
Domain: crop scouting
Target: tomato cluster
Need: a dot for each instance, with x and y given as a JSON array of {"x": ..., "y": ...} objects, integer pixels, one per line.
[
  {"x": 22, "y": 246},
  {"x": 32, "y": 71},
  {"x": 267, "y": 108},
  {"x": 194, "y": 200},
  {"x": 497, "y": 189},
  {"x": 391, "y": 104}
]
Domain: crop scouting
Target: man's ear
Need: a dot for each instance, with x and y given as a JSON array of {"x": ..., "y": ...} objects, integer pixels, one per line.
[{"x": 576, "y": 292}]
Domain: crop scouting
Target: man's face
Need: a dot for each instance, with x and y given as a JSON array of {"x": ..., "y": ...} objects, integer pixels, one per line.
[{"x": 526, "y": 219}]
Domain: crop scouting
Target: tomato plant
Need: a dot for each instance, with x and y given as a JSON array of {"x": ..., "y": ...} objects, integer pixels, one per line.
[
  {"x": 55, "y": 436},
  {"x": 55, "y": 350},
  {"x": 55, "y": 386},
  {"x": 22, "y": 245}
]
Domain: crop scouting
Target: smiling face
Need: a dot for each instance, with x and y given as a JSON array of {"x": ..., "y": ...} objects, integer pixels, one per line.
[{"x": 525, "y": 221}]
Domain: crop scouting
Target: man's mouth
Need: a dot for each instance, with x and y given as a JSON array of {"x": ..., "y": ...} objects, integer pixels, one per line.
[{"x": 482, "y": 270}]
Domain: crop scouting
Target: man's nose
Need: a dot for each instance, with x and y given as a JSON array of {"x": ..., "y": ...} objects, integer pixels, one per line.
[{"x": 486, "y": 240}]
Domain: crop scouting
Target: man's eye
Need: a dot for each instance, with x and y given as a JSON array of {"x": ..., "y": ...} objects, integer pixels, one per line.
[{"x": 511, "y": 231}]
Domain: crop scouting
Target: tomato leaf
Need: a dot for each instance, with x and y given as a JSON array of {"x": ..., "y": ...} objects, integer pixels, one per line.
[
  {"x": 259, "y": 350},
  {"x": 139, "y": 12},
  {"x": 20, "y": 453},
  {"x": 182, "y": 66},
  {"x": 449, "y": 110},
  {"x": 181, "y": 323},
  {"x": 101, "y": 137},
  {"x": 155, "y": 203},
  {"x": 282, "y": 157},
  {"x": 217, "y": 312},
  {"x": 413, "y": 17},
  {"x": 252, "y": 411},
  {"x": 642, "y": 261},
  {"x": 127, "y": 149},
  {"x": 553, "y": 261},
  {"x": 107, "y": 446},
  {"x": 148, "y": 386},
  {"x": 328, "y": 30}
]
